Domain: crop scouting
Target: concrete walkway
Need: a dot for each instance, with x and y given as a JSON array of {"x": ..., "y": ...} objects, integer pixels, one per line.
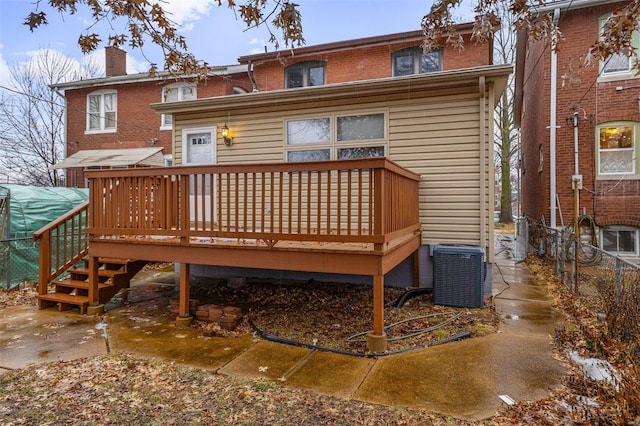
[{"x": 463, "y": 379}]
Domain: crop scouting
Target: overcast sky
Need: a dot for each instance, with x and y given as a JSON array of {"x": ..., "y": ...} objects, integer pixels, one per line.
[{"x": 213, "y": 33}]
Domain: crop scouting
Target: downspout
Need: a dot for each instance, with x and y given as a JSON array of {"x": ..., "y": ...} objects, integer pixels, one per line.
[
  {"x": 552, "y": 121},
  {"x": 66, "y": 141},
  {"x": 254, "y": 85},
  {"x": 483, "y": 168}
]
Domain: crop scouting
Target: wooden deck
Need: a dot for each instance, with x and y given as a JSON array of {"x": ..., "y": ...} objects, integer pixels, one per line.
[{"x": 346, "y": 217}]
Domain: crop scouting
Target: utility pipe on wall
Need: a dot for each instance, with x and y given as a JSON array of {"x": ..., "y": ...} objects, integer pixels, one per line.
[
  {"x": 484, "y": 210},
  {"x": 552, "y": 122}
]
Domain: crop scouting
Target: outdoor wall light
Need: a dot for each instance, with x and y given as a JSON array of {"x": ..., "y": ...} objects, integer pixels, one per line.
[{"x": 228, "y": 140}]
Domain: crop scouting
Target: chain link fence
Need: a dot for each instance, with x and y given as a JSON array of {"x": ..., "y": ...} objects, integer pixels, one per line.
[
  {"x": 18, "y": 262},
  {"x": 606, "y": 281}
]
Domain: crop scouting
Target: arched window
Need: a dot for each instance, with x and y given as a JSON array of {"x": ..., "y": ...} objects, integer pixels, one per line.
[
  {"x": 413, "y": 60},
  {"x": 302, "y": 74},
  {"x": 175, "y": 93}
]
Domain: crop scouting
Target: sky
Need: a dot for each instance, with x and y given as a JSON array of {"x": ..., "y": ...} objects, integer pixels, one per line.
[{"x": 213, "y": 33}]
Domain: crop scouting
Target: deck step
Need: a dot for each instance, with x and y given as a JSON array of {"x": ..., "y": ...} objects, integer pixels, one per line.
[
  {"x": 101, "y": 272},
  {"x": 66, "y": 301},
  {"x": 67, "y": 283}
]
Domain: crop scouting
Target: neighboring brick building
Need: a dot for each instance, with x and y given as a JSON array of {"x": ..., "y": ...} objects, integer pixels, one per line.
[
  {"x": 114, "y": 112},
  {"x": 603, "y": 99}
]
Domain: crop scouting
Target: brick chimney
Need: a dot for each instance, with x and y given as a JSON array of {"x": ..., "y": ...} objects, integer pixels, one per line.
[{"x": 115, "y": 61}]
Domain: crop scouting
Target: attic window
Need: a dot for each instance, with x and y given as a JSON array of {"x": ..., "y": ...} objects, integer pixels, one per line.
[
  {"x": 413, "y": 60},
  {"x": 302, "y": 74}
]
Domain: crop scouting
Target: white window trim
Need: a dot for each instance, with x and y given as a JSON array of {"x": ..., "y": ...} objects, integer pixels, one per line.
[
  {"x": 636, "y": 165},
  {"x": 101, "y": 93},
  {"x": 164, "y": 126},
  {"x": 622, "y": 228},
  {"x": 333, "y": 145},
  {"x": 628, "y": 74}
]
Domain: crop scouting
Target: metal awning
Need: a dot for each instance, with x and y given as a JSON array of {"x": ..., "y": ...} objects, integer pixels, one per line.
[{"x": 113, "y": 158}]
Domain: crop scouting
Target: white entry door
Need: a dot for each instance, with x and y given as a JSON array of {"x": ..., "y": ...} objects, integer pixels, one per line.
[{"x": 199, "y": 148}]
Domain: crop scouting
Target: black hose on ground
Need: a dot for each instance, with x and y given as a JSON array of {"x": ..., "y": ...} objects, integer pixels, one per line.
[
  {"x": 411, "y": 294},
  {"x": 278, "y": 339}
]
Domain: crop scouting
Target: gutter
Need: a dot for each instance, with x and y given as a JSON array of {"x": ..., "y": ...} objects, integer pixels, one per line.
[{"x": 570, "y": 5}]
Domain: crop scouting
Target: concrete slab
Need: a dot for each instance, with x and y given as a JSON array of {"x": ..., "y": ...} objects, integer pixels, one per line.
[
  {"x": 30, "y": 336},
  {"x": 151, "y": 332},
  {"x": 266, "y": 360},
  {"x": 346, "y": 373},
  {"x": 464, "y": 379}
]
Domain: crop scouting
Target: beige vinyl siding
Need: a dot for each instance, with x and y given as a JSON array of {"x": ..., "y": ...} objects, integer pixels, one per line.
[
  {"x": 441, "y": 142},
  {"x": 434, "y": 134}
]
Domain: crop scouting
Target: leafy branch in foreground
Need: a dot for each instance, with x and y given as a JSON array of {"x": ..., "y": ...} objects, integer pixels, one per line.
[{"x": 147, "y": 20}]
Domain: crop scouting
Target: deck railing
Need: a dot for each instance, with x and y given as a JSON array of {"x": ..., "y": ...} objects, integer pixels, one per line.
[
  {"x": 367, "y": 200},
  {"x": 63, "y": 243}
]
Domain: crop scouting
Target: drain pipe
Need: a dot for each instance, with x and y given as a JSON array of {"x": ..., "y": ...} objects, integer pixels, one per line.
[{"x": 552, "y": 120}]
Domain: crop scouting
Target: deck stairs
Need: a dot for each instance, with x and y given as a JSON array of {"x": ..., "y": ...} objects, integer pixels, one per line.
[{"x": 72, "y": 291}]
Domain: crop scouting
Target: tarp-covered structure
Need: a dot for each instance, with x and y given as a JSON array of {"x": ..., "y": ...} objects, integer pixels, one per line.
[{"x": 24, "y": 210}]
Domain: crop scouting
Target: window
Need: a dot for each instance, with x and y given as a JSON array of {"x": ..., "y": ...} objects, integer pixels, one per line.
[
  {"x": 336, "y": 137},
  {"x": 413, "y": 60},
  {"x": 617, "y": 148},
  {"x": 620, "y": 239},
  {"x": 176, "y": 93},
  {"x": 618, "y": 65},
  {"x": 302, "y": 74},
  {"x": 101, "y": 112}
]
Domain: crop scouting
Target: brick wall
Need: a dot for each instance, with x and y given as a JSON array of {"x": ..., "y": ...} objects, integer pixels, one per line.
[
  {"x": 609, "y": 202},
  {"x": 366, "y": 63}
]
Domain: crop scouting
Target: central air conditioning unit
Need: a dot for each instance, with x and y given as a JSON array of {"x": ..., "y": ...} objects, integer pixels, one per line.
[{"x": 458, "y": 276}]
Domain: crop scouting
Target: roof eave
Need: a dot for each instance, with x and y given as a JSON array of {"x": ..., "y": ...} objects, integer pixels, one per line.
[
  {"x": 454, "y": 78},
  {"x": 142, "y": 78}
]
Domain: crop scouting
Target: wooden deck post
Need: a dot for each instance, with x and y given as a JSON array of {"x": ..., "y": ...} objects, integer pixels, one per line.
[
  {"x": 377, "y": 340},
  {"x": 93, "y": 280},
  {"x": 184, "y": 319}
]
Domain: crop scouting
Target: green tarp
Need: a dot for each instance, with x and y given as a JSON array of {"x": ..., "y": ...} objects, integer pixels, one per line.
[{"x": 24, "y": 210}]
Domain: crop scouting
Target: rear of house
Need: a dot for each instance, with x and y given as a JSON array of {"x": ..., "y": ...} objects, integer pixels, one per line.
[{"x": 438, "y": 125}]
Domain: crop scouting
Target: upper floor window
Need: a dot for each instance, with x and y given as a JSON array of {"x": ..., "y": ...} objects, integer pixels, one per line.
[
  {"x": 336, "y": 137},
  {"x": 101, "y": 111},
  {"x": 309, "y": 73},
  {"x": 617, "y": 148},
  {"x": 413, "y": 60},
  {"x": 175, "y": 93},
  {"x": 618, "y": 64}
]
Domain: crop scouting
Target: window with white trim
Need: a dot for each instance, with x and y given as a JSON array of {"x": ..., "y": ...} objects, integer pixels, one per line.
[
  {"x": 336, "y": 137},
  {"x": 619, "y": 64},
  {"x": 617, "y": 148},
  {"x": 622, "y": 240},
  {"x": 307, "y": 73},
  {"x": 102, "y": 111},
  {"x": 175, "y": 93},
  {"x": 413, "y": 60}
]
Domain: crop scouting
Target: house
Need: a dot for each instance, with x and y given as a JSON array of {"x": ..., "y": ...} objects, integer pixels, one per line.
[
  {"x": 319, "y": 174},
  {"x": 112, "y": 113},
  {"x": 580, "y": 126}
]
